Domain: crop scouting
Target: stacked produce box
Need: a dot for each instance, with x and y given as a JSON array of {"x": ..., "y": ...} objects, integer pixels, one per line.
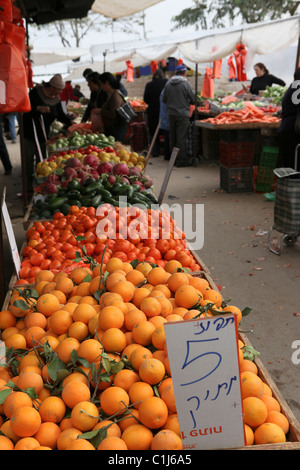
[{"x": 85, "y": 365}]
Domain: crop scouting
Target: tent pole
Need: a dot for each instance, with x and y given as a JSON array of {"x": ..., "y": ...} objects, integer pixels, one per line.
[
  {"x": 298, "y": 55},
  {"x": 195, "y": 130}
]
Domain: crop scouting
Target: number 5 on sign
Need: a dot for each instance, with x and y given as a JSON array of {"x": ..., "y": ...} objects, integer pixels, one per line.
[{"x": 204, "y": 363}]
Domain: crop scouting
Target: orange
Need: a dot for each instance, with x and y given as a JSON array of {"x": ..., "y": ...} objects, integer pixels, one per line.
[
  {"x": 129, "y": 349},
  {"x": 80, "y": 444},
  {"x": 235, "y": 310},
  {"x": 144, "y": 268},
  {"x": 167, "y": 395},
  {"x": 247, "y": 365},
  {"x": 150, "y": 306},
  {"x": 26, "y": 443},
  {"x": 142, "y": 333},
  {"x": 52, "y": 409},
  {"x": 135, "y": 277},
  {"x": 90, "y": 349},
  {"x": 14, "y": 401},
  {"x": 187, "y": 296},
  {"x": 113, "y": 264},
  {"x": 65, "y": 347},
  {"x": 16, "y": 341},
  {"x": 251, "y": 385},
  {"x": 48, "y": 434},
  {"x": 52, "y": 341},
  {"x": 113, "y": 400},
  {"x": 84, "y": 312},
  {"x": 255, "y": 411},
  {"x": 82, "y": 289},
  {"x": 199, "y": 283},
  {"x": 44, "y": 275},
  {"x": 133, "y": 317},
  {"x": 271, "y": 403},
  {"x": 66, "y": 437},
  {"x": 8, "y": 432},
  {"x": 158, "y": 337},
  {"x": 28, "y": 379},
  {"x": 269, "y": 433},
  {"x": 138, "y": 355},
  {"x": 47, "y": 304},
  {"x": 267, "y": 390},
  {"x": 152, "y": 371},
  {"x": 30, "y": 359},
  {"x": 75, "y": 392},
  {"x": 78, "y": 330},
  {"x": 249, "y": 435},
  {"x": 35, "y": 319},
  {"x": 111, "y": 428},
  {"x": 60, "y": 295},
  {"x": 166, "y": 307},
  {"x": 78, "y": 275},
  {"x": 125, "y": 289},
  {"x": 137, "y": 437},
  {"x": 112, "y": 443},
  {"x": 280, "y": 419},
  {"x": 158, "y": 275},
  {"x": 84, "y": 416},
  {"x": 172, "y": 423},
  {"x": 177, "y": 280},
  {"x": 7, "y": 319},
  {"x": 157, "y": 321},
  {"x": 138, "y": 392},
  {"x": 128, "y": 419},
  {"x": 108, "y": 298},
  {"x": 25, "y": 421},
  {"x": 6, "y": 443},
  {"x": 125, "y": 378},
  {"x": 113, "y": 278},
  {"x": 110, "y": 317},
  {"x": 75, "y": 376},
  {"x": 153, "y": 412},
  {"x": 172, "y": 265},
  {"x": 96, "y": 284},
  {"x": 166, "y": 439},
  {"x": 213, "y": 296},
  {"x": 139, "y": 294},
  {"x": 113, "y": 340},
  {"x": 60, "y": 321}
]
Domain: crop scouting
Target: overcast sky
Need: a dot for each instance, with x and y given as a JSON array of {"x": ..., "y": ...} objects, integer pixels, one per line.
[{"x": 158, "y": 23}]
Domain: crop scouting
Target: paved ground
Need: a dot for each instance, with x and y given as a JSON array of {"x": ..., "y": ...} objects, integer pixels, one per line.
[{"x": 235, "y": 251}]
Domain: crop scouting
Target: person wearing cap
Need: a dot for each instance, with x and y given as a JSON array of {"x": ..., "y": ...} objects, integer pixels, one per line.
[
  {"x": 45, "y": 109},
  {"x": 178, "y": 96}
]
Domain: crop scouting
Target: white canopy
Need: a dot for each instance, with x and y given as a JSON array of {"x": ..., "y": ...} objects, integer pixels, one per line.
[{"x": 119, "y": 8}]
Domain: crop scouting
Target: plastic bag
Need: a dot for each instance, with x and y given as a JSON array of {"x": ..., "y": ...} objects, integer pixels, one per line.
[
  {"x": 13, "y": 72},
  {"x": 6, "y": 12}
]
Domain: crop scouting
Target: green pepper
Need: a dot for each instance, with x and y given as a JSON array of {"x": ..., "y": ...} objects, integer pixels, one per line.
[
  {"x": 56, "y": 203},
  {"x": 95, "y": 186},
  {"x": 96, "y": 201},
  {"x": 73, "y": 184}
]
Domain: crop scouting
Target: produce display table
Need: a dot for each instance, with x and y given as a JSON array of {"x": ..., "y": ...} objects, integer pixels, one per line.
[{"x": 238, "y": 126}]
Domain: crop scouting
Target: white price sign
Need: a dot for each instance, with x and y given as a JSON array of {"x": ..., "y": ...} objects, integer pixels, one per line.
[
  {"x": 204, "y": 363},
  {"x": 11, "y": 237}
]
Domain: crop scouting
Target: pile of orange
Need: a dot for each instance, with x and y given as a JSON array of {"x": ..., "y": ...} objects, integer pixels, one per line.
[
  {"x": 151, "y": 235},
  {"x": 114, "y": 381}
]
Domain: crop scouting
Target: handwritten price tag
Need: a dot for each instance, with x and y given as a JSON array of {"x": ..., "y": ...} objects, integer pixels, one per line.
[{"x": 203, "y": 357}]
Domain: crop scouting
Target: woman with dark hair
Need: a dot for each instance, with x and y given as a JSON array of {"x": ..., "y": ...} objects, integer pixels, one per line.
[
  {"x": 288, "y": 137},
  {"x": 113, "y": 125},
  {"x": 45, "y": 109},
  {"x": 263, "y": 79},
  {"x": 152, "y": 94},
  {"x": 97, "y": 97}
]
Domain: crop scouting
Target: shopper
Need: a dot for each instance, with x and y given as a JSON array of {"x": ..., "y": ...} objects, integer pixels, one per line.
[
  {"x": 4, "y": 155},
  {"x": 152, "y": 94},
  {"x": 113, "y": 124},
  {"x": 77, "y": 91},
  {"x": 165, "y": 127},
  {"x": 288, "y": 137},
  {"x": 97, "y": 97},
  {"x": 263, "y": 79},
  {"x": 12, "y": 126},
  {"x": 45, "y": 109},
  {"x": 122, "y": 87},
  {"x": 178, "y": 96},
  {"x": 67, "y": 94}
]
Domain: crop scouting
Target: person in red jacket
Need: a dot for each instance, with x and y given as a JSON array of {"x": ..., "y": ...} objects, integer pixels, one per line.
[{"x": 67, "y": 93}]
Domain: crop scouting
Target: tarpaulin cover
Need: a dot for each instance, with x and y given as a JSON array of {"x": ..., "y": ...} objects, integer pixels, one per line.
[{"x": 120, "y": 8}]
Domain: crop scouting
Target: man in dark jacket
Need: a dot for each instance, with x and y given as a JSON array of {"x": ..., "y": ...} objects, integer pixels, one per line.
[
  {"x": 178, "y": 96},
  {"x": 152, "y": 94}
]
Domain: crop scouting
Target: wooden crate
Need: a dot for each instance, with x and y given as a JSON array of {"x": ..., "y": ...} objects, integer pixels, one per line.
[{"x": 293, "y": 436}]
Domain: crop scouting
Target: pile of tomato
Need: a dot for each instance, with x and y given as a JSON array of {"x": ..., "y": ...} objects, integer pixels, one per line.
[{"x": 143, "y": 235}]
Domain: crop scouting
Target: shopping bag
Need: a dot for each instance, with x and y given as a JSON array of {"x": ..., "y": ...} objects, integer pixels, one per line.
[
  {"x": 13, "y": 77},
  {"x": 6, "y": 10},
  {"x": 126, "y": 112},
  {"x": 287, "y": 201}
]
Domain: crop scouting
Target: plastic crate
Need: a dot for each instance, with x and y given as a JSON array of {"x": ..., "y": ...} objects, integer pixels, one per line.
[
  {"x": 236, "y": 154},
  {"x": 269, "y": 157},
  {"x": 265, "y": 180},
  {"x": 236, "y": 180},
  {"x": 138, "y": 136}
]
